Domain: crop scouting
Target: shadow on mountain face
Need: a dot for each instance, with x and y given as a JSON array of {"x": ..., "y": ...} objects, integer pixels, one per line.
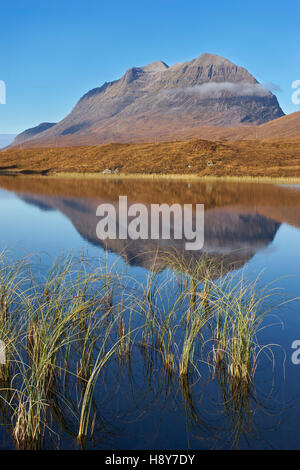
[{"x": 75, "y": 128}]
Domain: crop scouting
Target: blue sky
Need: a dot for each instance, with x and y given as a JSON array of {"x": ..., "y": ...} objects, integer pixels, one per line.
[{"x": 52, "y": 52}]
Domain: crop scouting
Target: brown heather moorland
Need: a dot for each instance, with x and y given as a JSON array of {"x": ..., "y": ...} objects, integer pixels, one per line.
[{"x": 259, "y": 158}]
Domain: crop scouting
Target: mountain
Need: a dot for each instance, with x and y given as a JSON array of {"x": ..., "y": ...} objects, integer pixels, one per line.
[
  {"x": 6, "y": 139},
  {"x": 33, "y": 131},
  {"x": 158, "y": 102}
]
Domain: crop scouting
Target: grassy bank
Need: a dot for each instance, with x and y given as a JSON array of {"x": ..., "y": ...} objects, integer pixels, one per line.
[
  {"x": 65, "y": 328},
  {"x": 250, "y": 159},
  {"x": 166, "y": 177}
]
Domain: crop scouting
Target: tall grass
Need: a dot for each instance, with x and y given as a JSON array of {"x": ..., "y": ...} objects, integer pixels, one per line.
[
  {"x": 66, "y": 328},
  {"x": 238, "y": 307}
]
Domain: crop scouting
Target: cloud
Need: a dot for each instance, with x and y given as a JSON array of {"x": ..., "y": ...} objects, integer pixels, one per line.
[
  {"x": 223, "y": 89},
  {"x": 272, "y": 87}
]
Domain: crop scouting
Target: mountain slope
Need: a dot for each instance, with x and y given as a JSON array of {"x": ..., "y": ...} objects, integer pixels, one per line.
[
  {"x": 33, "y": 131},
  {"x": 284, "y": 127},
  {"x": 155, "y": 101}
]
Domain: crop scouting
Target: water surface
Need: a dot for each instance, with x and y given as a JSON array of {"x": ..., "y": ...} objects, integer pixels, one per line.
[{"x": 254, "y": 228}]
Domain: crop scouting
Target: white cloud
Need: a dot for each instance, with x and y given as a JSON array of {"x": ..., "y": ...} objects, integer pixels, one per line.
[{"x": 218, "y": 90}]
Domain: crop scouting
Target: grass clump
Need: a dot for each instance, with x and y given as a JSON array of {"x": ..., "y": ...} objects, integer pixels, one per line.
[
  {"x": 66, "y": 328},
  {"x": 239, "y": 307}
]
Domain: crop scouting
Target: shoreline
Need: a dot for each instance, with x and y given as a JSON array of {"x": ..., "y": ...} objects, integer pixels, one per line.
[{"x": 155, "y": 176}]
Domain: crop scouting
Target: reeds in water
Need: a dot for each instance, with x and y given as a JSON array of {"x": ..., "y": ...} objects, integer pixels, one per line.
[{"x": 63, "y": 329}]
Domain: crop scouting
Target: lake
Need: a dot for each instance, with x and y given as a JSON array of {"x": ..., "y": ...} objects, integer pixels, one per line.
[{"x": 253, "y": 228}]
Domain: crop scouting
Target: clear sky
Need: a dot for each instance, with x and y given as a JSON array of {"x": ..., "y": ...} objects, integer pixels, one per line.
[{"x": 53, "y": 51}]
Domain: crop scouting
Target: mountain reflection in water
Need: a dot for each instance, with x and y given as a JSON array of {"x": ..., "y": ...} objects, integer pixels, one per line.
[{"x": 240, "y": 219}]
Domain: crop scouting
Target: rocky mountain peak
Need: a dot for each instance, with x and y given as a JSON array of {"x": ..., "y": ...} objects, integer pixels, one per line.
[
  {"x": 158, "y": 101},
  {"x": 158, "y": 66}
]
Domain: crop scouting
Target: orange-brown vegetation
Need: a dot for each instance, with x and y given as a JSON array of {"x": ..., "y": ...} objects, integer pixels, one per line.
[{"x": 276, "y": 158}]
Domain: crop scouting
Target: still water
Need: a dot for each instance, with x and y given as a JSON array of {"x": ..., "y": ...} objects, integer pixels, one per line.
[{"x": 254, "y": 228}]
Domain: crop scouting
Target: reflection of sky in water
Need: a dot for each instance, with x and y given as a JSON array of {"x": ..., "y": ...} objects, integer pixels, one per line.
[
  {"x": 29, "y": 228},
  {"x": 280, "y": 261},
  {"x": 26, "y": 228}
]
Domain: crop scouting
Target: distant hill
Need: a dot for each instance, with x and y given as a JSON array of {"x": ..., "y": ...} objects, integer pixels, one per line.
[
  {"x": 204, "y": 97},
  {"x": 33, "y": 132},
  {"x": 284, "y": 127}
]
